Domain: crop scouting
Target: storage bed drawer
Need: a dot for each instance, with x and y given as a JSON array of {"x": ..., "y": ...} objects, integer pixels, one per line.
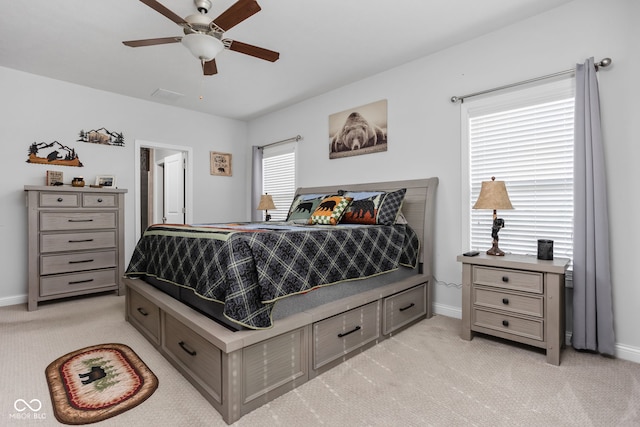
[
  {"x": 144, "y": 313},
  {"x": 201, "y": 359},
  {"x": 341, "y": 334},
  {"x": 404, "y": 307}
]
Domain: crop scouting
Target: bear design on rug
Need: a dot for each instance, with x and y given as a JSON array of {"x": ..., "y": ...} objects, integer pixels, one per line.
[
  {"x": 95, "y": 374},
  {"x": 356, "y": 133}
]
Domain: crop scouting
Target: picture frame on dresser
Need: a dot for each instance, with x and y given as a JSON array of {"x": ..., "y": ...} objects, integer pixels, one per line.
[{"x": 106, "y": 181}]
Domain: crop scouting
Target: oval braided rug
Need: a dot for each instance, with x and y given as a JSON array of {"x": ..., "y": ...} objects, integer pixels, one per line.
[{"x": 98, "y": 382}]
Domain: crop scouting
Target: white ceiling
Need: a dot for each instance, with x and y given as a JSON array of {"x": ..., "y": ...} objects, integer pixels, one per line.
[{"x": 323, "y": 44}]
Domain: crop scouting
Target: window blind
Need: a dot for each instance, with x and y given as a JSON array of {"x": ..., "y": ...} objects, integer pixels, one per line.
[
  {"x": 531, "y": 149},
  {"x": 278, "y": 178}
]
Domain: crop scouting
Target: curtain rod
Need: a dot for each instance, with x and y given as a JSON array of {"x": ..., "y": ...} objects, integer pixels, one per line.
[
  {"x": 454, "y": 99},
  {"x": 295, "y": 138}
]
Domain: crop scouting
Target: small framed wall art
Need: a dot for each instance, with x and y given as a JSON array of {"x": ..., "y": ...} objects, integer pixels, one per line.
[
  {"x": 106, "y": 181},
  {"x": 220, "y": 163}
]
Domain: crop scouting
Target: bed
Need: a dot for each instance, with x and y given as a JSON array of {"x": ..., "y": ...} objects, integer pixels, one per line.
[{"x": 225, "y": 305}]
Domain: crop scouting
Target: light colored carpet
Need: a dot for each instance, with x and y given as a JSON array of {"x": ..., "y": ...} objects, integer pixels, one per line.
[{"x": 423, "y": 376}]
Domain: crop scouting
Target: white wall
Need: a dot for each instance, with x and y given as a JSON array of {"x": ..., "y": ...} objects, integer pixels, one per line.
[
  {"x": 424, "y": 129},
  {"x": 37, "y": 109}
]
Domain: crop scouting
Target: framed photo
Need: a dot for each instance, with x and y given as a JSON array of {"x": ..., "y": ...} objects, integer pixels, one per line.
[
  {"x": 220, "y": 163},
  {"x": 359, "y": 130},
  {"x": 106, "y": 180}
]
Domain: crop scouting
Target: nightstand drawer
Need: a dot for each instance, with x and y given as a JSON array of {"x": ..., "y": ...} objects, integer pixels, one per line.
[
  {"x": 71, "y": 283},
  {"x": 201, "y": 359},
  {"x": 341, "y": 334},
  {"x": 508, "y": 279},
  {"x": 531, "y": 305},
  {"x": 92, "y": 200},
  {"x": 59, "y": 200},
  {"x": 53, "y": 264},
  {"x": 52, "y": 221},
  {"x": 77, "y": 241},
  {"x": 529, "y": 328}
]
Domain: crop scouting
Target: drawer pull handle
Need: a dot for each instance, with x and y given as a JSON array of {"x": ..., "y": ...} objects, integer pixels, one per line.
[
  {"x": 60, "y": 199},
  {"x": 142, "y": 311},
  {"x": 505, "y": 323},
  {"x": 407, "y": 307},
  {"x": 99, "y": 200},
  {"x": 77, "y": 282},
  {"x": 344, "y": 334},
  {"x": 187, "y": 349},
  {"x": 505, "y": 279},
  {"x": 80, "y": 220},
  {"x": 80, "y": 261},
  {"x": 505, "y": 301},
  {"x": 81, "y": 241}
]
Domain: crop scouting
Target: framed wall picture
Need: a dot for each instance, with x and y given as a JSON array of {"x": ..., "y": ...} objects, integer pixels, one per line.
[
  {"x": 359, "y": 130},
  {"x": 220, "y": 163},
  {"x": 106, "y": 181}
]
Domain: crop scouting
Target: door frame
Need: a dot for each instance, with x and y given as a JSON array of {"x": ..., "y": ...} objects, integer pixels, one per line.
[{"x": 188, "y": 192}]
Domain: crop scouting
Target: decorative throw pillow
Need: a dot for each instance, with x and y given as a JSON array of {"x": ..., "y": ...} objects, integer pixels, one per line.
[
  {"x": 330, "y": 210},
  {"x": 304, "y": 205},
  {"x": 391, "y": 204},
  {"x": 364, "y": 207}
]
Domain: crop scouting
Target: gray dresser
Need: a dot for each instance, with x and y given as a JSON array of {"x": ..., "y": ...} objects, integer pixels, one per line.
[{"x": 76, "y": 241}]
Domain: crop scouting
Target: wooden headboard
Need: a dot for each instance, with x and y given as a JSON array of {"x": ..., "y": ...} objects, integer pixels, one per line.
[{"x": 418, "y": 208}]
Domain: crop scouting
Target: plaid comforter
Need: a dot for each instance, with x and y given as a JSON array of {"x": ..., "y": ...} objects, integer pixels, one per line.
[{"x": 248, "y": 267}]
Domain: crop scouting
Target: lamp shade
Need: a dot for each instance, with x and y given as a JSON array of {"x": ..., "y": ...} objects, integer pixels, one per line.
[
  {"x": 202, "y": 46},
  {"x": 266, "y": 203},
  {"x": 493, "y": 195}
]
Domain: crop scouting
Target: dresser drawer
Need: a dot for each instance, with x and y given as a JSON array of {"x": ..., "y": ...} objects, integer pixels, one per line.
[
  {"x": 52, "y": 264},
  {"x": 70, "y": 283},
  {"x": 92, "y": 200},
  {"x": 508, "y": 279},
  {"x": 77, "y": 241},
  {"x": 402, "y": 308},
  {"x": 200, "y": 358},
  {"x": 531, "y": 304},
  {"x": 341, "y": 334},
  {"x": 52, "y": 221},
  {"x": 60, "y": 200},
  {"x": 144, "y": 313},
  {"x": 528, "y": 328}
]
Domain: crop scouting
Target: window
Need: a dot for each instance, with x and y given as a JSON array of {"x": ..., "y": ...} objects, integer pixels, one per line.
[
  {"x": 524, "y": 138},
  {"x": 278, "y": 178}
]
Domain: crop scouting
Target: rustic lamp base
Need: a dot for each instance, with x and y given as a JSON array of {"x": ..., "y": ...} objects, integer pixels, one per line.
[{"x": 495, "y": 250}]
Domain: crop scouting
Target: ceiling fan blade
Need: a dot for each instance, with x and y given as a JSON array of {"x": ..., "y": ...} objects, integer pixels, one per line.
[
  {"x": 258, "y": 52},
  {"x": 210, "y": 68},
  {"x": 238, "y": 12},
  {"x": 153, "y": 4},
  {"x": 151, "y": 42}
]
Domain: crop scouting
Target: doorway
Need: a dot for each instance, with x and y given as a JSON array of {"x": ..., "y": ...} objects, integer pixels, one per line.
[{"x": 164, "y": 184}]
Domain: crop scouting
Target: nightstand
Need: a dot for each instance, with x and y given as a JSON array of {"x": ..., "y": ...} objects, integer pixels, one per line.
[{"x": 515, "y": 297}]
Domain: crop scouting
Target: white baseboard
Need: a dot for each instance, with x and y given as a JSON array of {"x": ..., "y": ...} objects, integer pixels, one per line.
[
  {"x": 14, "y": 300},
  {"x": 447, "y": 310},
  {"x": 624, "y": 352}
]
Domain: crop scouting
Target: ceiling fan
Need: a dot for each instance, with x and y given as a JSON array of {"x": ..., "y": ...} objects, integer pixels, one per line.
[{"x": 203, "y": 36}]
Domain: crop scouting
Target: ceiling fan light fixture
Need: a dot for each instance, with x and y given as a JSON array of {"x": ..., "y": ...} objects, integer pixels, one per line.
[{"x": 202, "y": 46}]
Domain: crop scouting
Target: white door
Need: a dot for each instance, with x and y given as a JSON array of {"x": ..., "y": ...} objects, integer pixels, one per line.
[{"x": 174, "y": 207}]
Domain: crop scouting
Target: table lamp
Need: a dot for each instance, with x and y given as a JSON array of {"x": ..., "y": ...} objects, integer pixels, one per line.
[
  {"x": 266, "y": 203},
  {"x": 493, "y": 195}
]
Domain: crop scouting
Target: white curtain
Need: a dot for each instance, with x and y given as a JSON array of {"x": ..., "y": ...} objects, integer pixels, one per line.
[{"x": 592, "y": 302}]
